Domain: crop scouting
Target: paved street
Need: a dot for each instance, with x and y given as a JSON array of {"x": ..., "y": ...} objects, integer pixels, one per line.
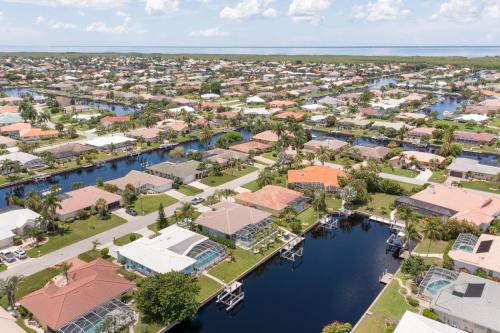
[{"x": 33, "y": 265}]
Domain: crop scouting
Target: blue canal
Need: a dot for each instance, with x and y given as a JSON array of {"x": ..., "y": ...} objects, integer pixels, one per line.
[
  {"x": 337, "y": 279},
  {"x": 382, "y": 82},
  {"x": 448, "y": 104},
  {"x": 107, "y": 171}
]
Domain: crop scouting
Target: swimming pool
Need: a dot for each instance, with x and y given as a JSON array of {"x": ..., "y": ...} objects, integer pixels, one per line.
[
  {"x": 466, "y": 248},
  {"x": 436, "y": 286},
  {"x": 206, "y": 258}
]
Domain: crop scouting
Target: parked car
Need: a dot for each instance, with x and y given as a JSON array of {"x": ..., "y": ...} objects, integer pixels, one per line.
[
  {"x": 197, "y": 200},
  {"x": 8, "y": 256},
  {"x": 20, "y": 254},
  {"x": 131, "y": 212}
]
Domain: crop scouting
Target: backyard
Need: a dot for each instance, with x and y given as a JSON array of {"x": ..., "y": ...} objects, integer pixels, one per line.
[
  {"x": 399, "y": 172},
  {"x": 479, "y": 185},
  {"x": 227, "y": 176},
  {"x": 146, "y": 204},
  {"x": 439, "y": 176},
  {"x": 70, "y": 233},
  {"x": 381, "y": 204}
]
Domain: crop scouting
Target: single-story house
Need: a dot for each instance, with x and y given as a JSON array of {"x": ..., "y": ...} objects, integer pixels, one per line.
[
  {"x": 187, "y": 171},
  {"x": 92, "y": 292},
  {"x": 84, "y": 199},
  {"x": 14, "y": 222},
  {"x": 250, "y": 147},
  {"x": 387, "y": 124},
  {"x": 473, "y": 138},
  {"x": 481, "y": 252},
  {"x": 177, "y": 127},
  {"x": 223, "y": 156},
  {"x": 35, "y": 134},
  {"x": 333, "y": 145},
  {"x": 109, "y": 143},
  {"x": 469, "y": 303},
  {"x": 469, "y": 168},
  {"x": 14, "y": 130},
  {"x": 9, "y": 109},
  {"x": 142, "y": 182},
  {"x": 73, "y": 109},
  {"x": 455, "y": 202},
  {"x": 147, "y": 134},
  {"x": 354, "y": 123},
  {"x": 323, "y": 178},
  {"x": 268, "y": 137},
  {"x": 282, "y": 104},
  {"x": 233, "y": 221},
  {"x": 414, "y": 323},
  {"x": 7, "y": 142},
  {"x": 28, "y": 160},
  {"x": 273, "y": 199},
  {"x": 420, "y": 132},
  {"x": 10, "y": 118},
  {"x": 175, "y": 249},
  {"x": 296, "y": 116},
  {"x": 69, "y": 150},
  {"x": 108, "y": 121},
  {"x": 377, "y": 152},
  {"x": 406, "y": 158}
]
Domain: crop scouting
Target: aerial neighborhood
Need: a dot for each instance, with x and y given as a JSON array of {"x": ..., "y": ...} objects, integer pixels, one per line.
[{"x": 142, "y": 191}]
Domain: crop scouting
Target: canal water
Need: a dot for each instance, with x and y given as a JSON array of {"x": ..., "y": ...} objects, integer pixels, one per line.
[
  {"x": 382, "y": 82},
  {"x": 448, "y": 104},
  {"x": 337, "y": 279},
  {"x": 111, "y": 170}
]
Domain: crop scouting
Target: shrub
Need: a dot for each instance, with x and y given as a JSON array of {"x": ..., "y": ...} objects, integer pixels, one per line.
[
  {"x": 430, "y": 314},
  {"x": 390, "y": 187},
  {"x": 412, "y": 301},
  {"x": 133, "y": 237},
  {"x": 105, "y": 253}
]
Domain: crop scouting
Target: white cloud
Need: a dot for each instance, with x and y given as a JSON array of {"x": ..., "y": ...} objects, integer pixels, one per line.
[
  {"x": 161, "y": 7},
  {"x": 53, "y": 24},
  {"x": 380, "y": 10},
  {"x": 100, "y": 4},
  {"x": 210, "y": 32},
  {"x": 308, "y": 10},
  {"x": 248, "y": 9},
  {"x": 125, "y": 26},
  {"x": 2, "y": 16},
  {"x": 466, "y": 11}
]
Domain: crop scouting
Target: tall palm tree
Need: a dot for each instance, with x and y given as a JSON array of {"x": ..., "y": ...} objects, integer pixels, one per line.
[
  {"x": 33, "y": 201},
  {"x": 189, "y": 119},
  {"x": 265, "y": 178},
  {"x": 431, "y": 230},
  {"x": 95, "y": 244},
  {"x": 411, "y": 234},
  {"x": 50, "y": 203},
  {"x": 319, "y": 203},
  {"x": 324, "y": 155},
  {"x": 407, "y": 214},
  {"x": 8, "y": 287},
  {"x": 64, "y": 268},
  {"x": 205, "y": 136},
  {"x": 101, "y": 206}
]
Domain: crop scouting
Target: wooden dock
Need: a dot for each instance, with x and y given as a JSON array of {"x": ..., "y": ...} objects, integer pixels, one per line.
[{"x": 386, "y": 277}]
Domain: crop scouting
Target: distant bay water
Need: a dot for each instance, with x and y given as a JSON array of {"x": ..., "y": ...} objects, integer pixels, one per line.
[{"x": 463, "y": 51}]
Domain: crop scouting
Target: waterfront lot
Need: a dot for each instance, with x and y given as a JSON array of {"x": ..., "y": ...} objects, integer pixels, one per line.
[{"x": 227, "y": 176}]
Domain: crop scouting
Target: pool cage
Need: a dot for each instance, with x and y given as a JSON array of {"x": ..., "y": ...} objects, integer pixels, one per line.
[
  {"x": 251, "y": 234},
  {"x": 206, "y": 254},
  {"x": 434, "y": 275},
  {"x": 94, "y": 321},
  {"x": 465, "y": 242}
]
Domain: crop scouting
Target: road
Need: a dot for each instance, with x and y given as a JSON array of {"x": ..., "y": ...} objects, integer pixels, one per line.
[{"x": 34, "y": 265}]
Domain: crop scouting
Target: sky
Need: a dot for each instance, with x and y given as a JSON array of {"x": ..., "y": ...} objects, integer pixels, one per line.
[{"x": 250, "y": 22}]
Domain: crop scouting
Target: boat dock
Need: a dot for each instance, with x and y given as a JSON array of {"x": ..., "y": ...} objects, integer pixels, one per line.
[
  {"x": 386, "y": 277},
  {"x": 231, "y": 295},
  {"x": 293, "y": 249}
]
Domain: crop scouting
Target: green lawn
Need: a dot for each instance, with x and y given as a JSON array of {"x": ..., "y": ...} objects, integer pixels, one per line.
[
  {"x": 227, "y": 176},
  {"x": 479, "y": 185},
  {"x": 381, "y": 204},
  {"x": 32, "y": 283},
  {"x": 189, "y": 190},
  {"x": 307, "y": 217},
  {"x": 89, "y": 255},
  {"x": 252, "y": 186},
  {"x": 208, "y": 288},
  {"x": 228, "y": 271},
  {"x": 438, "y": 176},
  {"x": 399, "y": 172},
  {"x": 146, "y": 204},
  {"x": 269, "y": 156},
  {"x": 124, "y": 240},
  {"x": 389, "y": 307},
  {"x": 333, "y": 204},
  {"x": 437, "y": 246},
  {"x": 74, "y": 232}
]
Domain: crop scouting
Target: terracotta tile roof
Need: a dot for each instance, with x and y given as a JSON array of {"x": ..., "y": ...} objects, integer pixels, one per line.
[
  {"x": 114, "y": 119},
  {"x": 15, "y": 127},
  {"x": 270, "y": 196},
  {"x": 30, "y": 132},
  {"x": 480, "y": 137},
  {"x": 90, "y": 286},
  {"x": 84, "y": 197},
  {"x": 9, "y": 109},
  {"x": 249, "y": 146},
  {"x": 289, "y": 114},
  {"x": 268, "y": 136},
  {"x": 316, "y": 174}
]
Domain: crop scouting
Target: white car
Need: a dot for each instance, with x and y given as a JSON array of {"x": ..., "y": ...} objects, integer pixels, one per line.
[{"x": 20, "y": 254}]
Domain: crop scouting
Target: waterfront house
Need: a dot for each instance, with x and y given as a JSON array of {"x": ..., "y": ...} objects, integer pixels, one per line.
[
  {"x": 28, "y": 160},
  {"x": 466, "y": 168},
  {"x": 321, "y": 178},
  {"x": 147, "y": 134},
  {"x": 110, "y": 143},
  {"x": 409, "y": 158},
  {"x": 68, "y": 150},
  {"x": 471, "y": 253},
  {"x": 176, "y": 127},
  {"x": 414, "y": 323},
  {"x": 354, "y": 123},
  {"x": 84, "y": 199},
  {"x": 419, "y": 132},
  {"x": 444, "y": 201},
  {"x": 251, "y": 147},
  {"x": 108, "y": 121},
  {"x": 15, "y": 222},
  {"x": 174, "y": 249},
  {"x": 296, "y": 116},
  {"x": 273, "y": 199},
  {"x": 186, "y": 172},
  {"x": 9, "y": 119},
  {"x": 387, "y": 124},
  {"x": 469, "y": 303},
  {"x": 223, "y": 156},
  {"x": 91, "y": 293},
  {"x": 473, "y": 138},
  {"x": 377, "y": 153},
  {"x": 142, "y": 182},
  {"x": 268, "y": 137},
  {"x": 74, "y": 109},
  {"x": 333, "y": 145},
  {"x": 233, "y": 221}
]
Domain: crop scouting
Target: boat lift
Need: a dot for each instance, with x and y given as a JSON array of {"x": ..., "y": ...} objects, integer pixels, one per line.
[
  {"x": 329, "y": 222},
  {"x": 396, "y": 241},
  {"x": 231, "y": 295},
  {"x": 345, "y": 212},
  {"x": 293, "y": 249}
]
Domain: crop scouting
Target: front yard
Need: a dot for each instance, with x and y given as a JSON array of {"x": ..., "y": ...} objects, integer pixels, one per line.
[
  {"x": 399, "y": 172},
  {"x": 479, "y": 185},
  {"x": 70, "y": 233},
  {"x": 227, "y": 176},
  {"x": 146, "y": 204},
  {"x": 189, "y": 190}
]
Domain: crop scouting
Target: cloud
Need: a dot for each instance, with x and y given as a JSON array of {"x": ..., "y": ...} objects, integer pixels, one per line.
[
  {"x": 124, "y": 27},
  {"x": 161, "y": 7},
  {"x": 467, "y": 11},
  {"x": 380, "y": 10},
  {"x": 99, "y": 4},
  {"x": 53, "y": 24},
  {"x": 2, "y": 16},
  {"x": 248, "y": 9},
  {"x": 308, "y": 10},
  {"x": 210, "y": 32}
]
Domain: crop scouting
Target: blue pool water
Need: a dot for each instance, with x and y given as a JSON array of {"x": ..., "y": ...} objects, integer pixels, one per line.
[
  {"x": 337, "y": 279},
  {"x": 436, "y": 286},
  {"x": 206, "y": 258}
]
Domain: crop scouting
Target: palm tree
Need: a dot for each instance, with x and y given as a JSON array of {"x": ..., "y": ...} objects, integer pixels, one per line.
[
  {"x": 189, "y": 119},
  {"x": 36, "y": 234},
  {"x": 50, "y": 203},
  {"x": 319, "y": 203},
  {"x": 411, "y": 234},
  {"x": 8, "y": 287},
  {"x": 12, "y": 199},
  {"x": 407, "y": 214},
  {"x": 323, "y": 155},
  {"x": 265, "y": 178},
  {"x": 205, "y": 136},
  {"x": 431, "y": 230},
  {"x": 33, "y": 201},
  {"x": 186, "y": 211},
  {"x": 95, "y": 244},
  {"x": 64, "y": 268},
  {"x": 101, "y": 206}
]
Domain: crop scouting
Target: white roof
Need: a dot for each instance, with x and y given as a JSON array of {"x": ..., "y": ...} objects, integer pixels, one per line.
[
  {"x": 257, "y": 111},
  {"x": 158, "y": 253},
  {"x": 19, "y": 156},
  {"x": 475, "y": 117},
  {"x": 13, "y": 219},
  {"x": 181, "y": 109},
  {"x": 255, "y": 99},
  {"x": 414, "y": 323},
  {"x": 210, "y": 96},
  {"x": 313, "y": 107},
  {"x": 318, "y": 117},
  {"x": 107, "y": 140}
]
